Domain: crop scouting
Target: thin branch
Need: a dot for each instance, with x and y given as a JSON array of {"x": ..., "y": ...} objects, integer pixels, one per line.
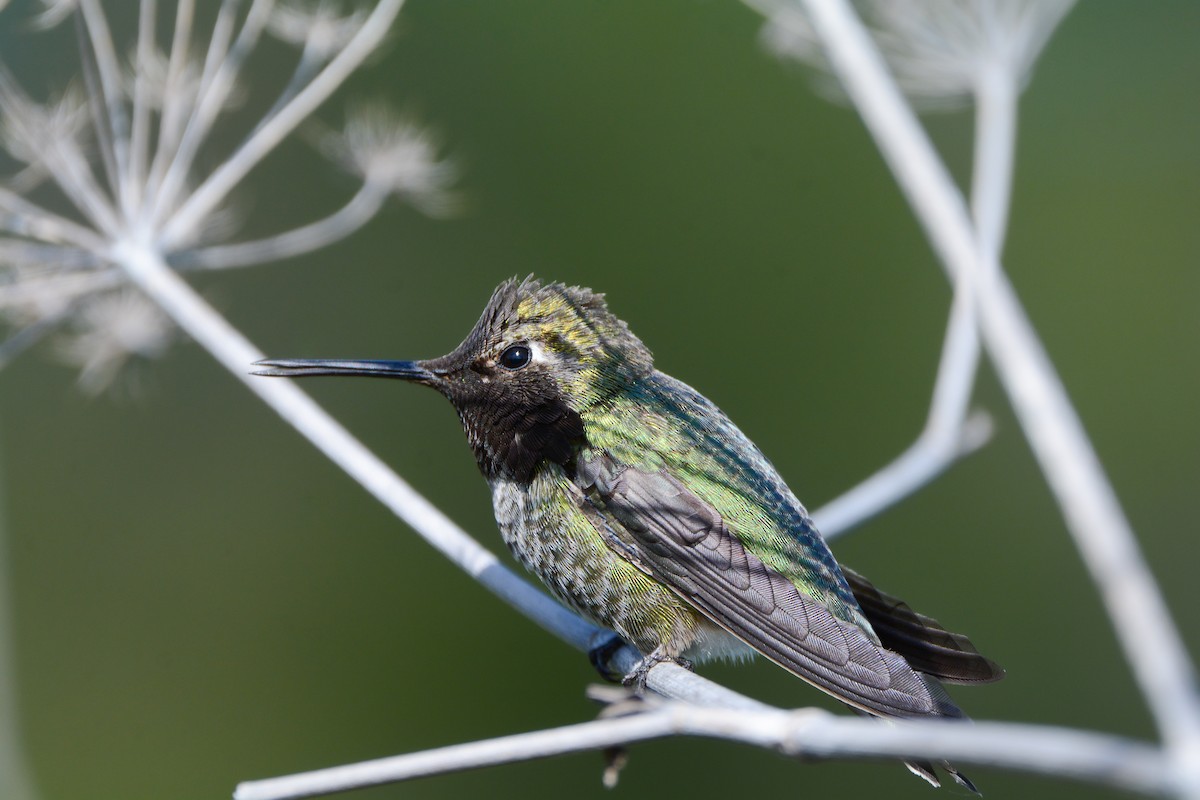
[
  {"x": 139, "y": 137},
  {"x": 109, "y": 71},
  {"x": 221, "y": 67},
  {"x": 1143, "y": 624},
  {"x": 63, "y": 159},
  {"x": 305, "y": 69},
  {"x": 175, "y": 101},
  {"x": 25, "y": 218},
  {"x": 205, "y": 106},
  {"x": 101, "y": 123},
  {"x": 338, "y": 225},
  {"x": 213, "y": 190},
  {"x": 949, "y": 432},
  {"x": 806, "y": 733},
  {"x": 996, "y": 96}
]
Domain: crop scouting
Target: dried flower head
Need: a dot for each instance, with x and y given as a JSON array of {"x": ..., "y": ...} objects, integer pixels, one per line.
[
  {"x": 939, "y": 52},
  {"x": 320, "y": 28},
  {"x": 125, "y": 150},
  {"x": 110, "y": 329},
  {"x": 30, "y": 134},
  {"x": 390, "y": 152}
]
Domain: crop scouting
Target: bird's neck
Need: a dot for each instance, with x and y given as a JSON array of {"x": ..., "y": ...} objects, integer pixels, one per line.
[{"x": 510, "y": 440}]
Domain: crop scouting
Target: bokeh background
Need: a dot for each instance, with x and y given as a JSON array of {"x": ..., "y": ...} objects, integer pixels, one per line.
[{"x": 200, "y": 598}]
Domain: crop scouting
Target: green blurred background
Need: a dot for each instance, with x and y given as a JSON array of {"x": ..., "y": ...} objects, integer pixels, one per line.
[{"x": 201, "y": 598}]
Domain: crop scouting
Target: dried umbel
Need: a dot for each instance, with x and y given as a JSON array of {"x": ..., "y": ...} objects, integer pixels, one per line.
[
  {"x": 939, "y": 52},
  {"x": 123, "y": 144}
]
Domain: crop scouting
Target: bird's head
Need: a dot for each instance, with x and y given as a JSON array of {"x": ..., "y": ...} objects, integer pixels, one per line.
[{"x": 539, "y": 356}]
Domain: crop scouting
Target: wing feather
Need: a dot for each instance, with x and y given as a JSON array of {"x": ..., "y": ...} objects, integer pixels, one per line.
[
  {"x": 683, "y": 541},
  {"x": 922, "y": 640}
]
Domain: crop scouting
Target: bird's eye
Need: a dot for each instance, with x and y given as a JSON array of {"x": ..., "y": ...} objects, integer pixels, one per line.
[{"x": 516, "y": 357}]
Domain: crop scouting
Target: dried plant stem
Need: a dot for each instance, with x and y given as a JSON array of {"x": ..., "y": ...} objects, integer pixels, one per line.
[
  {"x": 217, "y": 83},
  {"x": 807, "y": 733},
  {"x": 950, "y": 430},
  {"x": 358, "y": 211},
  {"x": 1143, "y": 624}
]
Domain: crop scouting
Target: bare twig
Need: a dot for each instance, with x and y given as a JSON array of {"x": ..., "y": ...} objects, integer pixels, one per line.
[
  {"x": 360, "y": 209},
  {"x": 950, "y": 432},
  {"x": 1103, "y": 535},
  {"x": 806, "y": 733}
]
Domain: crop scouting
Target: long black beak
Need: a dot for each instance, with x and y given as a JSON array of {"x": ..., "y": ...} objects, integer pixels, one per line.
[{"x": 306, "y": 367}]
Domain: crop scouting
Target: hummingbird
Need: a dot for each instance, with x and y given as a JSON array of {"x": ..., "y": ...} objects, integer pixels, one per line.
[{"x": 645, "y": 509}]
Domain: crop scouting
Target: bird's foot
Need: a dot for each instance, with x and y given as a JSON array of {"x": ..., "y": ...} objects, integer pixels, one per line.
[
  {"x": 602, "y": 654},
  {"x": 636, "y": 679}
]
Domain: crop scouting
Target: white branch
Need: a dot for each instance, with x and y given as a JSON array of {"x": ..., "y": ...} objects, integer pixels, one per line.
[
  {"x": 29, "y": 219},
  {"x": 62, "y": 159},
  {"x": 949, "y": 432},
  {"x": 109, "y": 73},
  {"x": 313, "y": 236},
  {"x": 996, "y": 96},
  {"x": 806, "y": 733},
  {"x": 175, "y": 100},
  {"x": 217, "y": 82},
  {"x": 1103, "y": 535},
  {"x": 139, "y": 137}
]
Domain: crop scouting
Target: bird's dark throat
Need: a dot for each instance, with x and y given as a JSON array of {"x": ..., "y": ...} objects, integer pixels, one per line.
[{"x": 512, "y": 433}]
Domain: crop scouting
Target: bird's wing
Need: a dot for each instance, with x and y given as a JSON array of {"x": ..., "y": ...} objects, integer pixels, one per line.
[
  {"x": 683, "y": 541},
  {"x": 925, "y": 644}
]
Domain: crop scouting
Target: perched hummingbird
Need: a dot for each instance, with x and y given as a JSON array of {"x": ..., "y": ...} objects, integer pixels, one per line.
[{"x": 645, "y": 509}]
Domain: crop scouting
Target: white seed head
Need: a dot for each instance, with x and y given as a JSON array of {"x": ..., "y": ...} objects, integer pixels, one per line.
[
  {"x": 388, "y": 151},
  {"x": 132, "y": 162},
  {"x": 320, "y": 28},
  {"x": 28, "y": 130},
  {"x": 110, "y": 329},
  {"x": 938, "y": 50},
  {"x": 153, "y": 69}
]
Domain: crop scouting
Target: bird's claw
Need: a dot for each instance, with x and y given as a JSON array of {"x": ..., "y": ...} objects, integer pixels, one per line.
[
  {"x": 602, "y": 654},
  {"x": 637, "y": 677}
]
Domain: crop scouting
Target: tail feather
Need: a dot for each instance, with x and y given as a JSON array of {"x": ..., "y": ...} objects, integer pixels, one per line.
[{"x": 922, "y": 640}]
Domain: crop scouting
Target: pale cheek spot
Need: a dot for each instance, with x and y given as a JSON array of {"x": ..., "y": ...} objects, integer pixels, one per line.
[{"x": 539, "y": 354}]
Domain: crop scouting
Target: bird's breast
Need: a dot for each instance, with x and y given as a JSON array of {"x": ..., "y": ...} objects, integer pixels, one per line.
[{"x": 544, "y": 525}]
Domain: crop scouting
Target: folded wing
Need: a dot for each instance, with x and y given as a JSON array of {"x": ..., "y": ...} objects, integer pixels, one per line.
[{"x": 681, "y": 540}]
